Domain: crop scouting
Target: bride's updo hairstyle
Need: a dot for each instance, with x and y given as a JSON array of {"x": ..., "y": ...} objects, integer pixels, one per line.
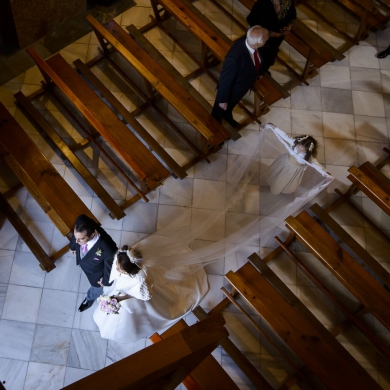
[{"x": 126, "y": 259}]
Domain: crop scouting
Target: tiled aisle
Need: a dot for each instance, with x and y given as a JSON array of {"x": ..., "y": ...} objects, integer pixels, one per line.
[{"x": 46, "y": 344}]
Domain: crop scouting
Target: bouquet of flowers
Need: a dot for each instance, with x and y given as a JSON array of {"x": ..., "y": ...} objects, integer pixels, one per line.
[{"x": 109, "y": 305}]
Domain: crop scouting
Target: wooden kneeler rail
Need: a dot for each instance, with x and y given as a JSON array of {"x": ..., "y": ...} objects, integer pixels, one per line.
[
  {"x": 322, "y": 354},
  {"x": 44, "y": 183},
  {"x": 163, "y": 365}
]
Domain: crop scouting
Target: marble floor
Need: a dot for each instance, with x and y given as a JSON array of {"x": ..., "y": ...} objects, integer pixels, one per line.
[{"x": 46, "y": 344}]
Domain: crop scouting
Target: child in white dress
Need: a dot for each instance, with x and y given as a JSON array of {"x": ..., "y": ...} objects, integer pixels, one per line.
[
  {"x": 146, "y": 309},
  {"x": 286, "y": 172}
]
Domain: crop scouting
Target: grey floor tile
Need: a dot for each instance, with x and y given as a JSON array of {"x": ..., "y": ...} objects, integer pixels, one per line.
[
  {"x": 116, "y": 351},
  {"x": 84, "y": 320},
  {"x": 87, "y": 350},
  {"x": 13, "y": 373},
  {"x": 57, "y": 308},
  {"x": 75, "y": 374},
  {"x": 26, "y": 270},
  {"x": 51, "y": 345},
  {"x": 66, "y": 275},
  {"x": 306, "y": 98},
  {"x": 337, "y": 100},
  {"x": 142, "y": 219},
  {"x": 340, "y": 152},
  {"x": 16, "y": 339},
  {"x": 44, "y": 376},
  {"x": 6, "y": 260},
  {"x": 3, "y": 292},
  {"x": 22, "y": 303},
  {"x": 366, "y": 79}
]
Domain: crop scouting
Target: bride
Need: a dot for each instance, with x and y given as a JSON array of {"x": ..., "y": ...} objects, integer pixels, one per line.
[{"x": 151, "y": 299}]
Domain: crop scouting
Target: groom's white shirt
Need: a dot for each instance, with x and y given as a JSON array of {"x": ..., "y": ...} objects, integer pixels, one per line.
[{"x": 90, "y": 244}]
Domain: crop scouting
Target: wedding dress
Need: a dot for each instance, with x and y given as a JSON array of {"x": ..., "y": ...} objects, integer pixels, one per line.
[{"x": 160, "y": 297}]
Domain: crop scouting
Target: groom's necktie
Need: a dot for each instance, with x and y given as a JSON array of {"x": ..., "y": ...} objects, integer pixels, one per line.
[{"x": 84, "y": 248}]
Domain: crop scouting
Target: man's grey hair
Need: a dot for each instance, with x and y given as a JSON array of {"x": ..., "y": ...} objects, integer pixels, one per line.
[{"x": 257, "y": 35}]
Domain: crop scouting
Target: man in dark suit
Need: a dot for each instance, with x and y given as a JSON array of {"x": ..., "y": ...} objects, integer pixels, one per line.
[
  {"x": 95, "y": 251},
  {"x": 243, "y": 64}
]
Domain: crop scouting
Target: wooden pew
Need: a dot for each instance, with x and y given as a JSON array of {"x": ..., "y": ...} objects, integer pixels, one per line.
[
  {"x": 374, "y": 267},
  {"x": 303, "y": 39},
  {"x": 373, "y": 295},
  {"x": 373, "y": 183},
  {"x": 177, "y": 170},
  {"x": 209, "y": 374},
  {"x": 321, "y": 353},
  {"x": 136, "y": 34},
  {"x": 310, "y": 45},
  {"x": 368, "y": 179},
  {"x": 353, "y": 245},
  {"x": 364, "y": 10},
  {"x": 237, "y": 356},
  {"x": 44, "y": 183},
  {"x": 6, "y": 211},
  {"x": 163, "y": 365},
  {"x": 267, "y": 90},
  {"x": 148, "y": 169},
  {"x": 160, "y": 80},
  {"x": 45, "y": 126}
]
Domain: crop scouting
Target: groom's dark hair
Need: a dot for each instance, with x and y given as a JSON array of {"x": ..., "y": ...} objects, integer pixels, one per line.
[{"x": 85, "y": 224}]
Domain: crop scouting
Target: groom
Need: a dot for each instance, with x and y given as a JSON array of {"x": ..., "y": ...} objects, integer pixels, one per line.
[{"x": 95, "y": 251}]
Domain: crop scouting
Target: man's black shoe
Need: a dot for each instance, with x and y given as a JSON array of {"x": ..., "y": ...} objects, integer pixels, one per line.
[
  {"x": 85, "y": 305},
  {"x": 233, "y": 123},
  {"x": 384, "y": 53}
]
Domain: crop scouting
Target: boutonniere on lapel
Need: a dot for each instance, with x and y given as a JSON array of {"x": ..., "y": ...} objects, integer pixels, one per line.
[{"x": 99, "y": 252}]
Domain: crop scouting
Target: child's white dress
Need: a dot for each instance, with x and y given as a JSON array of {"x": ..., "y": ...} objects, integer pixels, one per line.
[
  {"x": 286, "y": 172},
  {"x": 151, "y": 308}
]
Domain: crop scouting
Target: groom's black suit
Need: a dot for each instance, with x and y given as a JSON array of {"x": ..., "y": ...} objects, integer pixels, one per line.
[
  {"x": 237, "y": 77},
  {"x": 94, "y": 265}
]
